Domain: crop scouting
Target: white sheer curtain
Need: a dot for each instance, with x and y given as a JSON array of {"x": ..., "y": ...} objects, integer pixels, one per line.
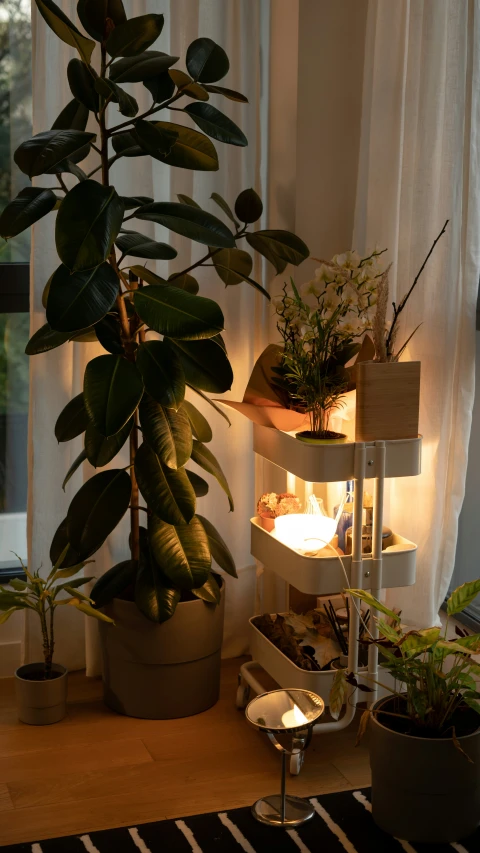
[
  {"x": 242, "y": 27},
  {"x": 420, "y": 165}
]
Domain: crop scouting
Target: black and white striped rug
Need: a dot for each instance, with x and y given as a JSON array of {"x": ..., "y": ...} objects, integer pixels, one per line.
[{"x": 342, "y": 824}]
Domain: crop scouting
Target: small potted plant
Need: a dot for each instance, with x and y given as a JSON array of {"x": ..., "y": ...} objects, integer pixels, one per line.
[
  {"x": 271, "y": 505},
  {"x": 41, "y": 688},
  {"x": 388, "y": 390},
  {"x": 425, "y": 736},
  {"x": 321, "y": 326}
]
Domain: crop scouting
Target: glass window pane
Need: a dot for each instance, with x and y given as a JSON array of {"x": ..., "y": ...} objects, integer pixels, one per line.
[
  {"x": 14, "y": 333},
  {"x": 15, "y": 110}
]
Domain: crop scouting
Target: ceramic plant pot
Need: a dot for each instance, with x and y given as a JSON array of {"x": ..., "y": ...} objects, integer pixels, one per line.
[
  {"x": 309, "y": 437},
  {"x": 162, "y": 671},
  {"x": 424, "y": 789},
  {"x": 41, "y": 702},
  {"x": 268, "y": 524}
]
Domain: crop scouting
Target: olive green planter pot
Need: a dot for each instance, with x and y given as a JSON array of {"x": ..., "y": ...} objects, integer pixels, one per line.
[
  {"x": 41, "y": 702},
  {"x": 424, "y": 789},
  {"x": 162, "y": 671}
]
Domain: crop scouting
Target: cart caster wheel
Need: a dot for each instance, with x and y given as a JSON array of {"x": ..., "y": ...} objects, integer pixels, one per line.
[
  {"x": 296, "y": 763},
  {"x": 243, "y": 694}
]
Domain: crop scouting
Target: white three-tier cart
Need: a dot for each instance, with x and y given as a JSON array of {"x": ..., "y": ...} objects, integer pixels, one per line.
[{"x": 379, "y": 570}]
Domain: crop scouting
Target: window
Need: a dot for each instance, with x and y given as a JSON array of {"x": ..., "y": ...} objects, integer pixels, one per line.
[{"x": 15, "y": 125}]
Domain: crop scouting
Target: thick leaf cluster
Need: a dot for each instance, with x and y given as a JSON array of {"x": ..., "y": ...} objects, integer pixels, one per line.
[{"x": 100, "y": 292}]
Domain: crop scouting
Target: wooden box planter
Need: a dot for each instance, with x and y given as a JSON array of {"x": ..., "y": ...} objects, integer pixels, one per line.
[{"x": 388, "y": 400}]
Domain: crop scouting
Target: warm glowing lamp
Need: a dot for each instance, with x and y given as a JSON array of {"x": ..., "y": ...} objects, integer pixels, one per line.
[{"x": 308, "y": 531}]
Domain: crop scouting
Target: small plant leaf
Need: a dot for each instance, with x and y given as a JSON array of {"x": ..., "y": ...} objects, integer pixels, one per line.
[
  {"x": 462, "y": 597},
  {"x": 215, "y": 124},
  {"x": 88, "y": 221},
  {"x": 373, "y": 603},
  {"x": 135, "y": 36},
  {"x": 64, "y": 29},
  {"x": 205, "y": 458},
  {"x": 72, "y": 420},
  {"x": 168, "y": 432},
  {"x": 113, "y": 388},
  {"x": 167, "y": 493},
  {"x": 200, "y": 426},
  {"x": 30, "y": 205},
  {"x": 206, "y": 61},
  {"x": 338, "y": 693},
  {"x": 113, "y": 582},
  {"x": 218, "y": 548},
  {"x": 162, "y": 373},
  {"x": 210, "y": 591},
  {"x": 182, "y": 551}
]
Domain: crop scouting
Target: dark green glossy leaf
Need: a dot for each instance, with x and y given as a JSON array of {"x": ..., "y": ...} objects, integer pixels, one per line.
[
  {"x": 191, "y": 149},
  {"x": 44, "y": 340},
  {"x": 82, "y": 84},
  {"x": 182, "y": 552},
  {"x": 166, "y": 492},
  {"x": 112, "y": 390},
  {"x": 210, "y": 591},
  {"x": 205, "y": 458},
  {"x": 225, "y": 207},
  {"x": 155, "y": 140},
  {"x": 160, "y": 87},
  {"x": 46, "y": 152},
  {"x": 232, "y": 265},
  {"x": 138, "y": 246},
  {"x": 72, "y": 420},
  {"x": 100, "y": 450},
  {"x": 279, "y": 247},
  {"x": 248, "y": 206},
  {"x": 167, "y": 432},
  {"x": 218, "y": 548},
  {"x": 64, "y": 29},
  {"x": 135, "y": 36},
  {"x": 185, "y": 199},
  {"x": 231, "y": 94},
  {"x": 97, "y": 508},
  {"x": 74, "y": 467},
  {"x": 132, "y": 202},
  {"x": 107, "y": 332},
  {"x": 205, "y": 364},
  {"x": 200, "y": 426},
  {"x": 30, "y": 205},
  {"x": 113, "y": 583},
  {"x": 184, "y": 219},
  {"x": 187, "y": 86},
  {"x": 162, "y": 374},
  {"x": 155, "y": 595},
  {"x": 73, "y": 117},
  {"x": 199, "y": 485},
  {"x": 127, "y": 104},
  {"x": 136, "y": 69},
  {"x": 93, "y": 15},
  {"x": 184, "y": 282},
  {"x": 206, "y": 61},
  {"x": 88, "y": 221},
  {"x": 76, "y": 301},
  {"x": 144, "y": 274},
  {"x": 215, "y": 124},
  {"x": 59, "y": 545},
  {"x": 124, "y": 145},
  {"x": 178, "y": 314}
]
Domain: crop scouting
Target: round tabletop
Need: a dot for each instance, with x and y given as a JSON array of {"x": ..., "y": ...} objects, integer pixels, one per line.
[{"x": 285, "y": 710}]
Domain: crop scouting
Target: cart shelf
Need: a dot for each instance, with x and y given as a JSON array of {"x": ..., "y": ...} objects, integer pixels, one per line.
[
  {"x": 323, "y": 463},
  {"x": 323, "y": 575}
]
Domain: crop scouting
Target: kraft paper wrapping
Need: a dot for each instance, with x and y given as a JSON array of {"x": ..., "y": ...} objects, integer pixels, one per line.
[{"x": 262, "y": 402}]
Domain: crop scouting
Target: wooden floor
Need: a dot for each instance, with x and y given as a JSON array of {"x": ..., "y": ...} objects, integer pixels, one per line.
[{"x": 96, "y": 770}]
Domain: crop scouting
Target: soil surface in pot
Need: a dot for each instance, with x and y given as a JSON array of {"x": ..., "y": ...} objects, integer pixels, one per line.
[
  {"x": 40, "y": 676},
  {"x": 464, "y": 719},
  {"x": 326, "y": 435}
]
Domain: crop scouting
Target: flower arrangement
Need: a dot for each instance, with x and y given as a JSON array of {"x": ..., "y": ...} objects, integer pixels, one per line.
[
  {"x": 321, "y": 325},
  {"x": 271, "y": 505}
]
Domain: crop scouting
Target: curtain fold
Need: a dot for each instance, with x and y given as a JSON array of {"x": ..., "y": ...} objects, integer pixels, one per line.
[
  {"x": 419, "y": 165},
  {"x": 243, "y": 28}
]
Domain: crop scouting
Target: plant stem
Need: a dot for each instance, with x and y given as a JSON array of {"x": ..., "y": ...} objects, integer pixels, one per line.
[
  {"x": 126, "y": 333},
  {"x": 397, "y": 310},
  {"x": 119, "y": 127}
]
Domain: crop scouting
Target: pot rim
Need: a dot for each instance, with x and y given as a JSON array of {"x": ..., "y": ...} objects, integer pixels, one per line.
[
  {"x": 57, "y": 667},
  {"x": 375, "y": 722},
  {"x": 195, "y": 600}
]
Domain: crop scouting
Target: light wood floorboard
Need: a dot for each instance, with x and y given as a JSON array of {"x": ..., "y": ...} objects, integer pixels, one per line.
[{"x": 96, "y": 769}]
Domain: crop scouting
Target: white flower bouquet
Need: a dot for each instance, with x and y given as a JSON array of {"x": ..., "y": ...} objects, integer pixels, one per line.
[{"x": 321, "y": 325}]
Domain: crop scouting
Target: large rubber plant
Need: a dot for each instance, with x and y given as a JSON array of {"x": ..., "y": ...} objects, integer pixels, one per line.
[{"x": 159, "y": 336}]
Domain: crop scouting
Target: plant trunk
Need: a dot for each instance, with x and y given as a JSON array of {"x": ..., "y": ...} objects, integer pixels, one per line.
[{"x": 128, "y": 340}]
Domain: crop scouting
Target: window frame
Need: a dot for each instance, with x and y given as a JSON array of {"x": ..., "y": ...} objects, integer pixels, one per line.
[{"x": 14, "y": 299}]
